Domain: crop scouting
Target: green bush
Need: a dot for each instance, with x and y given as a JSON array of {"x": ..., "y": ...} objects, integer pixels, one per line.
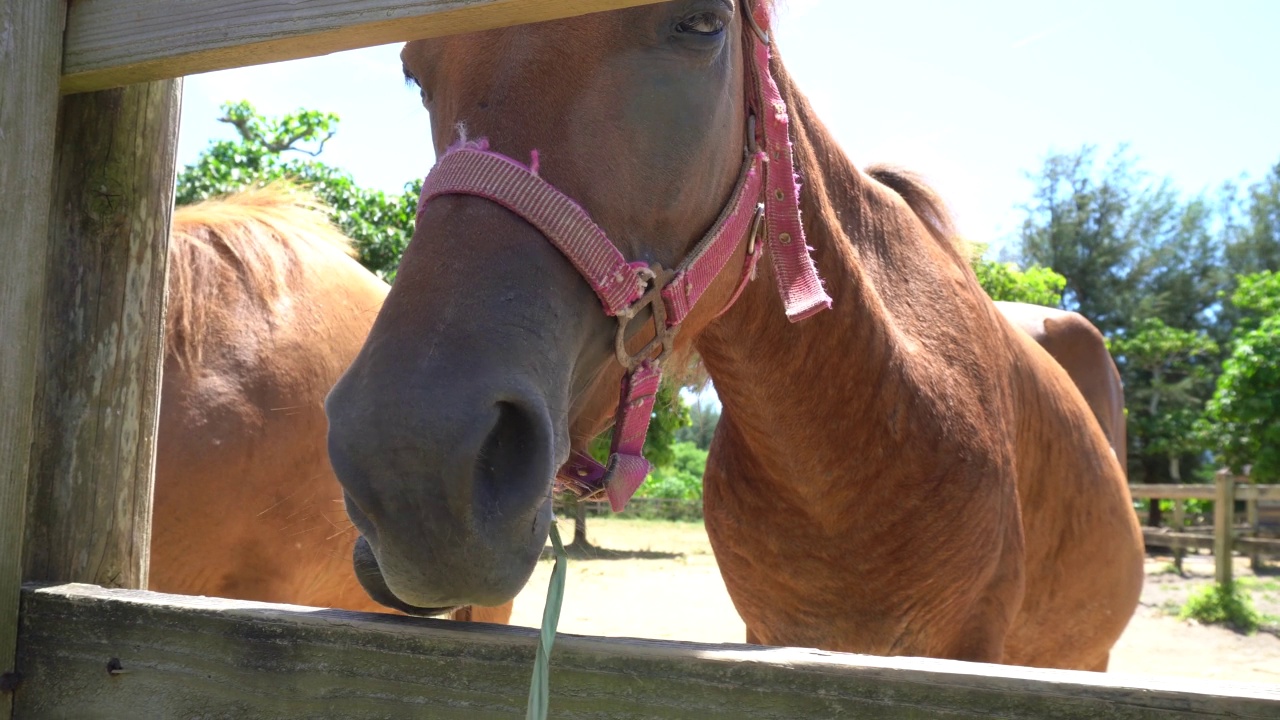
[
  {"x": 1243, "y": 417},
  {"x": 681, "y": 479},
  {"x": 1218, "y": 604}
]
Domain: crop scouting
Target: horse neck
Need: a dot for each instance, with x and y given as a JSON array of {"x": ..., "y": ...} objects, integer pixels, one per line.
[{"x": 809, "y": 404}]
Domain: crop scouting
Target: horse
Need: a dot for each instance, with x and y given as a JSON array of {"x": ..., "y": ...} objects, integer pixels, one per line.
[
  {"x": 897, "y": 470},
  {"x": 265, "y": 308},
  {"x": 1081, "y": 350}
]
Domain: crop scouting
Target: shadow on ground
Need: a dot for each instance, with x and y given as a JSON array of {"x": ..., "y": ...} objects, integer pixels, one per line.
[{"x": 591, "y": 552}]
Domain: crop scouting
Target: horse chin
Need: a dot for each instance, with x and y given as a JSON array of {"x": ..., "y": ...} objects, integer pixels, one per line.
[{"x": 370, "y": 576}]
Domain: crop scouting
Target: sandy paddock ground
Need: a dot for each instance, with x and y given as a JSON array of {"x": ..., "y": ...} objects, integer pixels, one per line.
[{"x": 659, "y": 579}]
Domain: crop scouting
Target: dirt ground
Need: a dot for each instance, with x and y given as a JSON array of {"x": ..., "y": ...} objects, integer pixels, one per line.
[{"x": 656, "y": 579}]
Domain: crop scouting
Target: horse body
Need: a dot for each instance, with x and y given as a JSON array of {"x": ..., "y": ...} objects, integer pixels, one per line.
[
  {"x": 1078, "y": 346},
  {"x": 906, "y": 473},
  {"x": 957, "y": 499},
  {"x": 266, "y": 309}
]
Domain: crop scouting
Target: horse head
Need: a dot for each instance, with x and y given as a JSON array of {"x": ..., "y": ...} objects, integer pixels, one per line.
[{"x": 492, "y": 363}]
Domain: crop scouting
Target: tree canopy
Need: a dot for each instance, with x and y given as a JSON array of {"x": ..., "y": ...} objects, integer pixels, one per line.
[
  {"x": 1152, "y": 268},
  {"x": 285, "y": 148}
]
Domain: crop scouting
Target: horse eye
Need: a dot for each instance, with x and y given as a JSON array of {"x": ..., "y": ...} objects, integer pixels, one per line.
[
  {"x": 409, "y": 79},
  {"x": 704, "y": 23}
]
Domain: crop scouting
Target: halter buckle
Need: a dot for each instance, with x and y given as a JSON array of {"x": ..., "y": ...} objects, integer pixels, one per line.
[{"x": 663, "y": 340}]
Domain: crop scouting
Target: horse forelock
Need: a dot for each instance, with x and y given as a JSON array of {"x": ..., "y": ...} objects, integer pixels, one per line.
[{"x": 245, "y": 249}]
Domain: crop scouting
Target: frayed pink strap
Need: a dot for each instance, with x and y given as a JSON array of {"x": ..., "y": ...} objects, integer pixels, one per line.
[
  {"x": 798, "y": 282},
  {"x": 472, "y": 169},
  {"x": 627, "y": 467}
]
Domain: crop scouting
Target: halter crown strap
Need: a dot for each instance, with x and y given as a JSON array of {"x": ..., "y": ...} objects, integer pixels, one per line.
[{"x": 798, "y": 282}]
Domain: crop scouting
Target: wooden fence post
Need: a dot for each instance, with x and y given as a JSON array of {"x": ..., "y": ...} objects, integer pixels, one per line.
[
  {"x": 1251, "y": 517},
  {"x": 1223, "y": 524},
  {"x": 96, "y": 408},
  {"x": 1179, "y": 525},
  {"x": 30, "y": 63}
]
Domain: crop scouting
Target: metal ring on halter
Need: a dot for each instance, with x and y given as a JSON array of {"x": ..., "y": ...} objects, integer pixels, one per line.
[
  {"x": 749, "y": 14},
  {"x": 663, "y": 336}
]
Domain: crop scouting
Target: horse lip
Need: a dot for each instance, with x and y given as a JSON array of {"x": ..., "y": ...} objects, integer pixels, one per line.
[
  {"x": 370, "y": 577},
  {"x": 359, "y": 519}
]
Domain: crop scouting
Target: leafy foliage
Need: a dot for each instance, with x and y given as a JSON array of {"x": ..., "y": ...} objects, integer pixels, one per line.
[
  {"x": 703, "y": 420},
  {"x": 381, "y": 225},
  {"x": 682, "y": 478},
  {"x": 1243, "y": 417},
  {"x": 1005, "y": 281},
  {"x": 1145, "y": 265},
  {"x": 669, "y": 415},
  {"x": 1164, "y": 410},
  {"x": 1254, "y": 244},
  {"x": 1223, "y": 605}
]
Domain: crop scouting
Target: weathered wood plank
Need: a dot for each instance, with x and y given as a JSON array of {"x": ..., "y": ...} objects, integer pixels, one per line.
[
  {"x": 97, "y": 406},
  {"x": 1257, "y": 492},
  {"x": 1243, "y": 491},
  {"x": 1172, "y": 492},
  {"x": 1179, "y": 523},
  {"x": 200, "y": 657},
  {"x": 116, "y": 42},
  {"x": 1224, "y": 512},
  {"x": 1161, "y": 537},
  {"x": 30, "y": 62}
]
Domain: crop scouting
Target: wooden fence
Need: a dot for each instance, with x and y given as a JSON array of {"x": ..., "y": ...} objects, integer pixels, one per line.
[
  {"x": 1226, "y": 535},
  {"x": 86, "y": 194}
]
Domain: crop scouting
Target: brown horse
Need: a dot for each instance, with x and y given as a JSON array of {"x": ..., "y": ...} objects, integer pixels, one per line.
[
  {"x": 266, "y": 308},
  {"x": 1080, "y": 349},
  {"x": 905, "y": 473}
]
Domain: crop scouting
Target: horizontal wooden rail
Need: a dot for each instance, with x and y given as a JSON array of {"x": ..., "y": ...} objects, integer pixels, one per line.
[
  {"x": 110, "y": 43},
  {"x": 1173, "y": 492},
  {"x": 1163, "y": 537},
  {"x": 1257, "y": 492},
  {"x": 94, "y": 653},
  {"x": 1244, "y": 491}
]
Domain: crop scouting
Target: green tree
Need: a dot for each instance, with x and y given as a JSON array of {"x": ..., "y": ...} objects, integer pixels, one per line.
[
  {"x": 682, "y": 478},
  {"x": 669, "y": 415},
  {"x": 1175, "y": 366},
  {"x": 1085, "y": 224},
  {"x": 1255, "y": 243},
  {"x": 1145, "y": 265},
  {"x": 267, "y": 149},
  {"x": 1036, "y": 285},
  {"x": 1243, "y": 417},
  {"x": 1178, "y": 273},
  {"x": 703, "y": 420}
]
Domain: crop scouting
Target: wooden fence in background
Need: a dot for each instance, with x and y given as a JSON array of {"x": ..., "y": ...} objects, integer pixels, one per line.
[{"x": 1225, "y": 536}]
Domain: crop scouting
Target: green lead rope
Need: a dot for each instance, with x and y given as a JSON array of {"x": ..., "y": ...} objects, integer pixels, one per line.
[{"x": 540, "y": 683}]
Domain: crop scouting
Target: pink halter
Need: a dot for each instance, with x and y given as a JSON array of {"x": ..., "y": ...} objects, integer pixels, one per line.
[{"x": 766, "y": 198}]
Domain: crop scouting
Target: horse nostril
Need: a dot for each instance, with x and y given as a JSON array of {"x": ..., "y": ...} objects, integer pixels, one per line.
[{"x": 511, "y": 457}]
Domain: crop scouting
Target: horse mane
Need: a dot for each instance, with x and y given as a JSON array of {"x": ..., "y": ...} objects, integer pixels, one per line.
[
  {"x": 925, "y": 203},
  {"x": 246, "y": 247}
]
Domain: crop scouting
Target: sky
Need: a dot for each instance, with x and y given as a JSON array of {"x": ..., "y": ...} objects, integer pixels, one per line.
[{"x": 971, "y": 95}]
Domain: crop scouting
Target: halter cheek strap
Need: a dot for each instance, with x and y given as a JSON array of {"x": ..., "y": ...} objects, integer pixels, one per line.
[{"x": 765, "y": 199}]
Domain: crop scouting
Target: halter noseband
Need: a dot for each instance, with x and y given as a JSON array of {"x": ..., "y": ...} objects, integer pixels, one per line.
[{"x": 765, "y": 200}]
